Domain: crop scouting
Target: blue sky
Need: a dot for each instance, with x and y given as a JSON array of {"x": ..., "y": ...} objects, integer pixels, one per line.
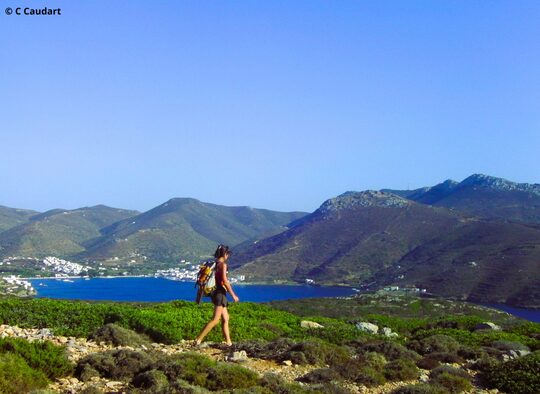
[{"x": 274, "y": 104}]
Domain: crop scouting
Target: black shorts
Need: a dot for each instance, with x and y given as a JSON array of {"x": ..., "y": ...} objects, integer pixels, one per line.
[{"x": 219, "y": 298}]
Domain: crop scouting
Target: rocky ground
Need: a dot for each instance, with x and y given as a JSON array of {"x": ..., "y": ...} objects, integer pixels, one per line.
[{"x": 78, "y": 348}]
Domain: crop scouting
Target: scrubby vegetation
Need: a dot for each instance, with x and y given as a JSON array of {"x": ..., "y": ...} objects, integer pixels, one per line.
[
  {"x": 30, "y": 365},
  {"x": 16, "y": 376},
  {"x": 341, "y": 353},
  {"x": 118, "y": 336},
  {"x": 521, "y": 375}
]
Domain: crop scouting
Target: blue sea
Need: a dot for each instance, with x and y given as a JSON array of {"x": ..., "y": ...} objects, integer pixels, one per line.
[
  {"x": 527, "y": 314},
  {"x": 160, "y": 289}
]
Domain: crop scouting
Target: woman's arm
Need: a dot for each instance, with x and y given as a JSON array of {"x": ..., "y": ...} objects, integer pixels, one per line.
[{"x": 227, "y": 284}]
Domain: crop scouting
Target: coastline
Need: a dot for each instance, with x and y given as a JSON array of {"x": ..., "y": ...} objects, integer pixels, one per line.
[{"x": 82, "y": 277}]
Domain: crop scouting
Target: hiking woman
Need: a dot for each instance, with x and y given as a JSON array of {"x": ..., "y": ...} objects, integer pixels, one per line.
[{"x": 219, "y": 297}]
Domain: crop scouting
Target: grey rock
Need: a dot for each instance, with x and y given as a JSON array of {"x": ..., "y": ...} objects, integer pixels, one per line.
[
  {"x": 367, "y": 327},
  {"x": 310, "y": 324},
  {"x": 387, "y": 332},
  {"x": 239, "y": 356}
]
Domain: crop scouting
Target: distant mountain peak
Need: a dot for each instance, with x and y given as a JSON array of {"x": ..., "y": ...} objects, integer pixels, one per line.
[
  {"x": 449, "y": 182},
  {"x": 368, "y": 198},
  {"x": 499, "y": 184}
]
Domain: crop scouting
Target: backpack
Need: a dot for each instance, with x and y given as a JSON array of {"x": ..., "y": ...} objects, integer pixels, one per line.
[{"x": 206, "y": 280}]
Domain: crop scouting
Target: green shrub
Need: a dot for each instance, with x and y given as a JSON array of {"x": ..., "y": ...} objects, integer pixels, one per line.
[
  {"x": 118, "y": 336},
  {"x": 351, "y": 369},
  {"x": 370, "y": 377},
  {"x": 521, "y": 375},
  {"x": 326, "y": 388},
  {"x": 375, "y": 360},
  {"x": 427, "y": 362},
  {"x": 401, "y": 369},
  {"x": 90, "y": 390},
  {"x": 453, "y": 383},
  {"x": 421, "y": 388},
  {"x": 191, "y": 367},
  {"x": 16, "y": 376},
  {"x": 321, "y": 375},
  {"x": 41, "y": 355},
  {"x": 450, "y": 370},
  {"x": 432, "y": 360},
  {"x": 153, "y": 381},
  {"x": 183, "y": 387},
  {"x": 276, "y": 384},
  {"x": 390, "y": 350},
  {"x": 509, "y": 345},
  {"x": 475, "y": 339},
  {"x": 318, "y": 353},
  {"x": 119, "y": 364},
  {"x": 435, "y": 343},
  {"x": 229, "y": 376},
  {"x": 483, "y": 363},
  {"x": 471, "y": 353},
  {"x": 200, "y": 370}
]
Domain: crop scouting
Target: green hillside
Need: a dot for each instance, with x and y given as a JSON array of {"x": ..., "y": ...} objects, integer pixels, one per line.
[
  {"x": 185, "y": 228},
  {"x": 375, "y": 239},
  {"x": 347, "y": 240},
  {"x": 11, "y": 217},
  {"x": 479, "y": 261},
  {"x": 58, "y": 232}
]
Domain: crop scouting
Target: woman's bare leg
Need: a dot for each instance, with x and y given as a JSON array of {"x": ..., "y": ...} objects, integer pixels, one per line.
[
  {"x": 225, "y": 326},
  {"x": 218, "y": 310}
]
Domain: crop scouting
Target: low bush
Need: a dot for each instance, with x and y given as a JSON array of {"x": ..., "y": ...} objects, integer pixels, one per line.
[
  {"x": 427, "y": 362},
  {"x": 432, "y": 360},
  {"x": 40, "y": 355},
  {"x": 483, "y": 363},
  {"x": 390, "y": 350},
  {"x": 453, "y": 383},
  {"x": 471, "y": 353},
  {"x": 476, "y": 339},
  {"x": 455, "y": 380},
  {"x": 191, "y": 367},
  {"x": 230, "y": 376},
  {"x": 507, "y": 346},
  {"x": 325, "y": 388},
  {"x": 450, "y": 370},
  {"x": 114, "y": 364},
  {"x": 307, "y": 352},
  {"x": 199, "y": 370},
  {"x": 118, "y": 336},
  {"x": 521, "y": 375},
  {"x": 375, "y": 360},
  {"x": 321, "y": 375},
  {"x": 151, "y": 381},
  {"x": 274, "y": 383},
  {"x": 435, "y": 344},
  {"x": 92, "y": 389},
  {"x": 421, "y": 388},
  {"x": 369, "y": 376},
  {"x": 401, "y": 369},
  {"x": 180, "y": 386},
  {"x": 16, "y": 376},
  {"x": 317, "y": 353}
]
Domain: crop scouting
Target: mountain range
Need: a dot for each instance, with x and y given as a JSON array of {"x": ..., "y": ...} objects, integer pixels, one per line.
[
  {"x": 478, "y": 239},
  {"x": 181, "y": 228}
]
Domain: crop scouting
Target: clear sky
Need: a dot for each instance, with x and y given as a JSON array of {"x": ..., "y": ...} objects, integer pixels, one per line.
[{"x": 271, "y": 104}]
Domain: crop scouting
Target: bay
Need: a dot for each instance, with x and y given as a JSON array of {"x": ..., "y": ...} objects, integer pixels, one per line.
[
  {"x": 161, "y": 289},
  {"x": 527, "y": 314}
]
